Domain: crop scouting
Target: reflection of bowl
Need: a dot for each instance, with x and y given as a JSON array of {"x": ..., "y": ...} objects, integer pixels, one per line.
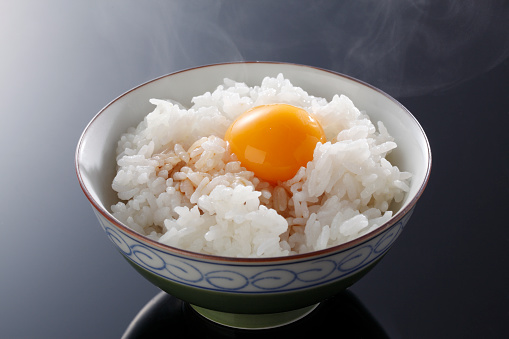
[
  {"x": 246, "y": 292},
  {"x": 165, "y": 316}
]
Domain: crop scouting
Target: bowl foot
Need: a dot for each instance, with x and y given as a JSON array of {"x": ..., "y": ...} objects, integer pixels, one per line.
[{"x": 254, "y": 321}]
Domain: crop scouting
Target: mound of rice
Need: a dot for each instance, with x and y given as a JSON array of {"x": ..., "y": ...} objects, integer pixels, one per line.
[{"x": 179, "y": 184}]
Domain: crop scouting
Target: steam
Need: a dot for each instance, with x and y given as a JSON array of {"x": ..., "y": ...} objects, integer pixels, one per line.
[
  {"x": 405, "y": 47},
  {"x": 416, "y": 47}
]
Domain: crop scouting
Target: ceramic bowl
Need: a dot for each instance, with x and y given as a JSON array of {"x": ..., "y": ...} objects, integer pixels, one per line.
[{"x": 248, "y": 293}]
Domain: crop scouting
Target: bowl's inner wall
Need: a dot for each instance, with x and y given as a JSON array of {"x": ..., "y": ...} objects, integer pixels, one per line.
[{"x": 96, "y": 155}]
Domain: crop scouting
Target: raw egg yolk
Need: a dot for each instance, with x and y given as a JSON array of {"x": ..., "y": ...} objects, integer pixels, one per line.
[{"x": 274, "y": 141}]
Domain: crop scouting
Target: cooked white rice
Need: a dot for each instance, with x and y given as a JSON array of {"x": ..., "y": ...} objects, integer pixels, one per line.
[{"x": 179, "y": 184}]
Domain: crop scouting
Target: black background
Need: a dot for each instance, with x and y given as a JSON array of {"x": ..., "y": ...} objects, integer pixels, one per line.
[{"x": 446, "y": 61}]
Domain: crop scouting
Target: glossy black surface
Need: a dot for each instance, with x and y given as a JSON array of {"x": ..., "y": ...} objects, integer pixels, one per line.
[{"x": 446, "y": 61}]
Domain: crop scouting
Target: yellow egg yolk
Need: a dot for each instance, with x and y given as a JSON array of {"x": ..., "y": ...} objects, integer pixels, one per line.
[{"x": 274, "y": 141}]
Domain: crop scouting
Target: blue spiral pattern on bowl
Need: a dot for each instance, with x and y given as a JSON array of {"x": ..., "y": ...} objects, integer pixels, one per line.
[{"x": 268, "y": 277}]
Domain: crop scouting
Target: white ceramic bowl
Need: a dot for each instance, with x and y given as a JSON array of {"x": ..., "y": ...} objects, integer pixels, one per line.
[{"x": 248, "y": 293}]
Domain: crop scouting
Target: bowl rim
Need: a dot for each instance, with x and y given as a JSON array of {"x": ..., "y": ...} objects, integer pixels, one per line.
[{"x": 237, "y": 260}]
